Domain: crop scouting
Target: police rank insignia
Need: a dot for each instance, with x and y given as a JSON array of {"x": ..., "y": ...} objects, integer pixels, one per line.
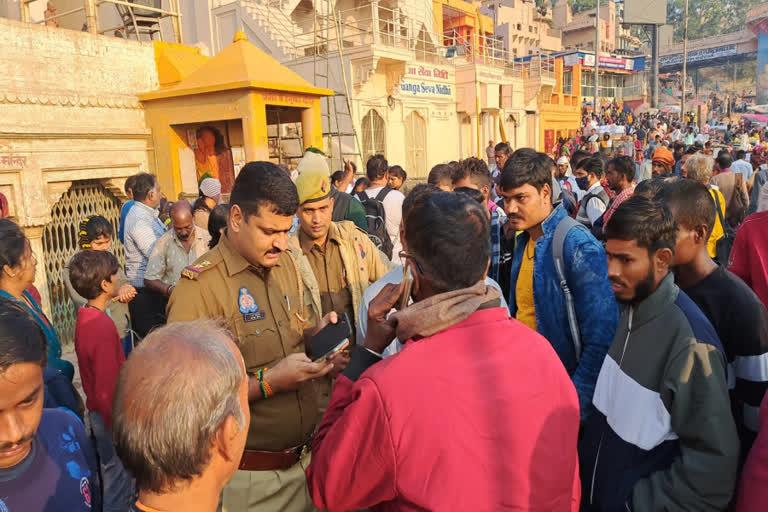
[
  {"x": 191, "y": 272},
  {"x": 248, "y": 306}
]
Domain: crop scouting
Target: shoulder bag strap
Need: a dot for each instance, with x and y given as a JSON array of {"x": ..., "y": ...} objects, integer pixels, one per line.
[
  {"x": 717, "y": 207},
  {"x": 383, "y": 193},
  {"x": 558, "y": 243}
]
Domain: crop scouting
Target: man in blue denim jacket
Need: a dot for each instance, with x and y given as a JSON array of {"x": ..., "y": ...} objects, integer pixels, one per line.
[{"x": 536, "y": 297}]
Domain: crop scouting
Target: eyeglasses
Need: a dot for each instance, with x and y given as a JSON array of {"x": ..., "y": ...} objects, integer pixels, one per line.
[{"x": 406, "y": 256}]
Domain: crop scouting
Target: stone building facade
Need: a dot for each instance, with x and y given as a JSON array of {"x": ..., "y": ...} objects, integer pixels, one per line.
[{"x": 71, "y": 130}]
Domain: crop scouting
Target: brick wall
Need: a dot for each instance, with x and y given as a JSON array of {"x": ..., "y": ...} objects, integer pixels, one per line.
[
  {"x": 54, "y": 79},
  {"x": 69, "y": 111}
]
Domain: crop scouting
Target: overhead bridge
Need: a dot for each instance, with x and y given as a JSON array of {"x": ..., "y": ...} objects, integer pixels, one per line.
[
  {"x": 741, "y": 46},
  {"x": 712, "y": 51}
]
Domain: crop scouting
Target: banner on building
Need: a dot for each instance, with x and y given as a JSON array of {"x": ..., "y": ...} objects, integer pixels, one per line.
[
  {"x": 426, "y": 89},
  {"x": 425, "y": 80},
  {"x": 572, "y": 60},
  {"x": 699, "y": 55},
  {"x": 617, "y": 63}
]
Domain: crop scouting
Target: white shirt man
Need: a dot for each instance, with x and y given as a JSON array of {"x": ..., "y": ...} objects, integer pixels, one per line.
[
  {"x": 595, "y": 199},
  {"x": 378, "y": 174},
  {"x": 742, "y": 167},
  {"x": 393, "y": 208},
  {"x": 595, "y": 206}
]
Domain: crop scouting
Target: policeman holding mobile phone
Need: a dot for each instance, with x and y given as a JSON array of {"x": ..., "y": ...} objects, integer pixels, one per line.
[
  {"x": 252, "y": 281},
  {"x": 337, "y": 259}
]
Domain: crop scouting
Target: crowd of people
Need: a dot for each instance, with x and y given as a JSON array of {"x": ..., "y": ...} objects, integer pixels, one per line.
[{"x": 584, "y": 332}]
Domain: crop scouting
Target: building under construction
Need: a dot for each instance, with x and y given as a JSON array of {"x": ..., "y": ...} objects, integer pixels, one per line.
[{"x": 422, "y": 82}]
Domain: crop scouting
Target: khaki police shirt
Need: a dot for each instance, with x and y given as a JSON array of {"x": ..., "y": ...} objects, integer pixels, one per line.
[
  {"x": 329, "y": 271},
  {"x": 264, "y": 311}
]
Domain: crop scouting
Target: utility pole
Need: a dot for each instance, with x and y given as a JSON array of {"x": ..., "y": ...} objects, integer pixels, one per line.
[
  {"x": 685, "y": 61},
  {"x": 655, "y": 68},
  {"x": 597, "y": 51}
]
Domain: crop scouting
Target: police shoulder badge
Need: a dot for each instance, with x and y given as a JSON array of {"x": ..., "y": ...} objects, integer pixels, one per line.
[
  {"x": 192, "y": 271},
  {"x": 248, "y": 307}
]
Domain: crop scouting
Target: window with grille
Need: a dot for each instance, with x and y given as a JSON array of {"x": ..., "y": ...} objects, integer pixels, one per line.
[
  {"x": 415, "y": 145},
  {"x": 374, "y": 135}
]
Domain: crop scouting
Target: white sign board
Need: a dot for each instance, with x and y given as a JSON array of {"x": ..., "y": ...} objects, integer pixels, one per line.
[
  {"x": 424, "y": 80},
  {"x": 645, "y": 12}
]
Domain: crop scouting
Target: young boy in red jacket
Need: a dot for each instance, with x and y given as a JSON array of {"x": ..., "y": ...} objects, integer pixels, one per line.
[{"x": 99, "y": 354}]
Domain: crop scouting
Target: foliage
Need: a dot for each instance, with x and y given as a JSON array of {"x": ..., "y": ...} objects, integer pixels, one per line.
[
  {"x": 708, "y": 17},
  {"x": 583, "y": 5},
  {"x": 705, "y": 17}
]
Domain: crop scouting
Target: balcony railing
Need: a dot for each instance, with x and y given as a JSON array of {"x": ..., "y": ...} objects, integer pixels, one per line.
[
  {"x": 588, "y": 91},
  {"x": 374, "y": 25},
  {"x": 539, "y": 66}
]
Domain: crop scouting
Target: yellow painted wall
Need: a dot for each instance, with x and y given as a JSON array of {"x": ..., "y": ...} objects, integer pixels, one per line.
[
  {"x": 559, "y": 113},
  {"x": 437, "y": 16},
  {"x": 167, "y": 119}
]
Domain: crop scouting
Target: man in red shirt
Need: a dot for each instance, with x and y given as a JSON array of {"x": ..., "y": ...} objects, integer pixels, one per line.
[
  {"x": 99, "y": 352},
  {"x": 749, "y": 256},
  {"x": 476, "y": 412}
]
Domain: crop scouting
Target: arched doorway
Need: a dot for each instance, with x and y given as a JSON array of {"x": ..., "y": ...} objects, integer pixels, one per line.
[
  {"x": 83, "y": 198},
  {"x": 416, "y": 145},
  {"x": 374, "y": 135}
]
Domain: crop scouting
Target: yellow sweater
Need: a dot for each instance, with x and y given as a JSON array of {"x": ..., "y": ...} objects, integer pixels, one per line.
[{"x": 717, "y": 229}]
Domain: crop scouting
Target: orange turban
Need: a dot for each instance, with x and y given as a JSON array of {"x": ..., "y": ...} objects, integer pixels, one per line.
[{"x": 664, "y": 156}]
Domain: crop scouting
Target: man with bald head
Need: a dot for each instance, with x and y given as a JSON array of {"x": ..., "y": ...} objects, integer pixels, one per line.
[
  {"x": 179, "y": 247},
  {"x": 176, "y": 249},
  {"x": 182, "y": 435}
]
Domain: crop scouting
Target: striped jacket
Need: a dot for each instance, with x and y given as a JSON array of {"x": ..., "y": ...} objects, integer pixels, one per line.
[{"x": 662, "y": 437}]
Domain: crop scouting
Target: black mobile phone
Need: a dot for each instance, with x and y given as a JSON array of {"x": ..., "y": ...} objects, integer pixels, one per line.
[{"x": 332, "y": 339}]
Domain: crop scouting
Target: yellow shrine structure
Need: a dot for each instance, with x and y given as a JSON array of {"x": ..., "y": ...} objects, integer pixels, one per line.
[{"x": 237, "y": 94}]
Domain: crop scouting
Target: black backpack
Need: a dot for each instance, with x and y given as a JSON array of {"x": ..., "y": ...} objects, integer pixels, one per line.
[{"x": 377, "y": 220}]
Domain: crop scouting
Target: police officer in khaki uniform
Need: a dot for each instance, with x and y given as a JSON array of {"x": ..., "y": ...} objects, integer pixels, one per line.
[
  {"x": 337, "y": 260},
  {"x": 252, "y": 282}
]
